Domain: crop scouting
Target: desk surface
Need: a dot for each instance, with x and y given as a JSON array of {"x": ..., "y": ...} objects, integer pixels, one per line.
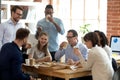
[
  {"x": 116, "y": 55},
  {"x": 55, "y": 71}
]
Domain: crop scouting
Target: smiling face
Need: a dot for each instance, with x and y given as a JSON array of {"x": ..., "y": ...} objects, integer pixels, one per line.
[
  {"x": 17, "y": 15},
  {"x": 43, "y": 40},
  {"x": 72, "y": 40}
]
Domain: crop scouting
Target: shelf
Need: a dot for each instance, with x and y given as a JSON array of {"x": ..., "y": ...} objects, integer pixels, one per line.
[
  {"x": 22, "y": 20},
  {"x": 30, "y": 15},
  {"x": 20, "y": 3}
]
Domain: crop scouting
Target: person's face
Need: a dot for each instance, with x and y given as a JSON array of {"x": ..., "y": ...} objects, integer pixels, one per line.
[
  {"x": 88, "y": 44},
  {"x": 17, "y": 15},
  {"x": 43, "y": 40},
  {"x": 25, "y": 41},
  {"x": 71, "y": 39},
  {"x": 49, "y": 11}
]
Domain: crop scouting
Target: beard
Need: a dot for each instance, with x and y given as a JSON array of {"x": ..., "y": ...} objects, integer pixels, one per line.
[
  {"x": 16, "y": 20},
  {"x": 24, "y": 44}
]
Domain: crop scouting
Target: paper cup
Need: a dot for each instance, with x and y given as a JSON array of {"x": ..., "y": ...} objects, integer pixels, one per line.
[
  {"x": 47, "y": 17},
  {"x": 27, "y": 61},
  {"x": 32, "y": 61}
]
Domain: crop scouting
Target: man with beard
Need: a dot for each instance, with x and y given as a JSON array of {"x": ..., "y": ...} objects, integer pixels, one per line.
[
  {"x": 8, "y": 29},
  {"x": 11, "y": 57}
]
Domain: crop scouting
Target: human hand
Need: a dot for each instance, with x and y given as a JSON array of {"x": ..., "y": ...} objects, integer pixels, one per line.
[
  {"x": 47, "y": 59},
  {"x": 31, "y": 78},
  {"x": 49, "y": 18},
  {"x": 76, "y": 51},
  {"x": 44, "y": 59},
  {"x": 77, "y": 63},
  {"x": 39, "y": 29},
  {"x": 28, "y": 46},
  {"x": 63, "y": 45},
  {"x": 70, "y": 62}
]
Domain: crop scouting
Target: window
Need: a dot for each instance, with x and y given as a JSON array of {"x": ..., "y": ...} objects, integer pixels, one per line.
[{"x": 76, "y": 13}]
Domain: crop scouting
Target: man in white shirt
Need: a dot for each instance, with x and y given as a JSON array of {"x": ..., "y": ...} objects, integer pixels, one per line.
[{"x": 8, "y": 29}]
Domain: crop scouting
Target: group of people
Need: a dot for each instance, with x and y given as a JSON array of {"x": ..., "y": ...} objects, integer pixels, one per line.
[
  {"x": 94, "y": 55},
  {"x": 14, "y": 36}
]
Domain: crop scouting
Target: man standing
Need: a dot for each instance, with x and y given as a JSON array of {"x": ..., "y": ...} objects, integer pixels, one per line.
[
  {"x": 8, "y": 29},
  {"x": 52, "y": 26},
  {"x": 11, "y": 57}
]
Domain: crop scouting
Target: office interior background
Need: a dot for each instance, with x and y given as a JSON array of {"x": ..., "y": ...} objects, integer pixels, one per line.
[{"x": 103, "y": 15}]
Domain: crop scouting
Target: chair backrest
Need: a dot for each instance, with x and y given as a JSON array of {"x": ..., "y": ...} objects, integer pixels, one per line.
[
  {"x": 114, "y": 64},
  {"x": 116, "y": 75}
]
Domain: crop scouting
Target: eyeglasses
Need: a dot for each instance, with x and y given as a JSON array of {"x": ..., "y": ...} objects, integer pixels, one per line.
[
  {"x": 69, "y": 37},
  {"x": 19, "y": 14},
  {"x": 48, "y": 12}
]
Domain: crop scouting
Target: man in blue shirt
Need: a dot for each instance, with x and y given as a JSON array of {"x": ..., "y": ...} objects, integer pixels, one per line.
[
  {"x": 70, "y": 57},
  {"x": 52, "y": 26},
  {"x": 11, "y": 58}
]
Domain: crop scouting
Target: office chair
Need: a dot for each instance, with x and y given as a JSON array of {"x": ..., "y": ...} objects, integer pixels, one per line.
[
  {"x": 116, "y": 75},
  {"x": 114, "y": 64}
]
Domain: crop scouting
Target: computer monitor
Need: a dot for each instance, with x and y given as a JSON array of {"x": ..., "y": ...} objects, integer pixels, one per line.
[{"x": 115, "y": 43}]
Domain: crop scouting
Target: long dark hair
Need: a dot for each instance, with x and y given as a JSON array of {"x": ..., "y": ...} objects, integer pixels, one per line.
[{"x": 103, "y": 39}]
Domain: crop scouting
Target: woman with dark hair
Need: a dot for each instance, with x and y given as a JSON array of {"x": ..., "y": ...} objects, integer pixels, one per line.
[
  {"x": 103, "y": 42},
  {"x": 98, "y": 61},
  {"x": 40, "y": 51}
]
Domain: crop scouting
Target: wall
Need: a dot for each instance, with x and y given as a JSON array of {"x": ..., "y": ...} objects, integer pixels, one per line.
[{"x": 113, "y": 18}]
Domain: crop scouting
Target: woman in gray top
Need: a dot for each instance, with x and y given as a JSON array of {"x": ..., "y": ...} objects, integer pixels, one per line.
[{"x": 40, "y": 51}]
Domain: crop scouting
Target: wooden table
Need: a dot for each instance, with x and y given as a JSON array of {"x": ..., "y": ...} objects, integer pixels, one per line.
[{"x": 61, "y": 72}]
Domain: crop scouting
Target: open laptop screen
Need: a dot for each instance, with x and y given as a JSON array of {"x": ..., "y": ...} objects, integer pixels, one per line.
[{"x": 115, "y": 43}]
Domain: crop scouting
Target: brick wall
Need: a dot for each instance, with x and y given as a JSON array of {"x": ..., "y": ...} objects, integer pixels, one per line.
[{"x": 113, "y": 18}]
